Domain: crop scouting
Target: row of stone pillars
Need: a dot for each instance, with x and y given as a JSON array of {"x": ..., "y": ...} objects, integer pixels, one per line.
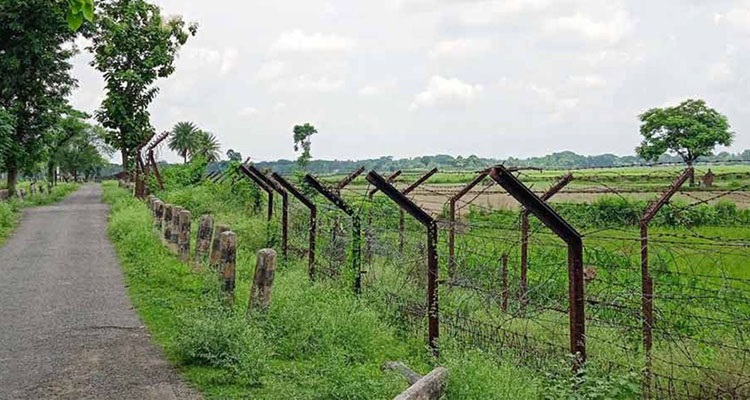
[{"x": 214, "y": 246}]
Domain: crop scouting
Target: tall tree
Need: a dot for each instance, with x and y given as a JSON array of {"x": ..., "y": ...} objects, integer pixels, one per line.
[
  {"x": 234, "y": 155},
  {"x": 206, "y": 146},
  {"x": 35, "y": 71},
  {"x": 690, "y": 130},
  {"x": 302, "y": 134},
  {"x": 82, "y": 154},
  {"x": 6, "y": 130},
  {"x": 133, "y": 46},
  {"x": 183, "y": 140}
]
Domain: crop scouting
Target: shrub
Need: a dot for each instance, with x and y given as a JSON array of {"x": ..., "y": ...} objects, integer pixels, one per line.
[{"x": 222, "y": 339}]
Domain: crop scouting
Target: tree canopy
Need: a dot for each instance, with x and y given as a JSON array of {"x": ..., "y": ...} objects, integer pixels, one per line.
[
  {"x": 183, "y": 139},
  {"x": 689, "y": 130},
  {"x": 302, "y": 134},
  {"x": 133, "y": 46},
  {"x": 35, "y": 70}
]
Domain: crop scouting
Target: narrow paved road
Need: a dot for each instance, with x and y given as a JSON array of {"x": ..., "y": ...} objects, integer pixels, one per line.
[{"x": 67, "y": 328}]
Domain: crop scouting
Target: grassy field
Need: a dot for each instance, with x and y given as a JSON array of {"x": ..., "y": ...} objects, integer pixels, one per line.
[
  {"x": 321, "y": 341},
  {"x": 10, "y": 211},
  {"x": 318, "y": 341}
]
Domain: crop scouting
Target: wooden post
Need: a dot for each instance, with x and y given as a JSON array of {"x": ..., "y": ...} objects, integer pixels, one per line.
[
  {"x": 167, "y": 222},
  {"x": 203, "y": 241},
  {"x": 215, "y": 256},
  {"x": 227, "y": 263},
  {"x": 260, "y": 292},
  {"x": 430, "y": 387},
  {"x": 175, "y": 229},
  {"x": 183, "y": 236}
]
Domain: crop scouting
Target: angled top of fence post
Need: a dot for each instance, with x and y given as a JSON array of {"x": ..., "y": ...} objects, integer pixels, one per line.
[
  {"x": 654, "y": 207},
  {"x": 534, "y": 204},
  {"x": 293, "y": 190},
  {"x": 349, "y": 178},
  {"x": 419, "y": 181},
  {"x": 400, "y": 198},
  {"x": 391, "y": 178},
  {"x": 553, "y": 190},
  {"x": 269, "y": 182},
  {"x": 257, "y": 180},
  {"x": 471, "y": 185},
  {"x": 329, "y": 194}
]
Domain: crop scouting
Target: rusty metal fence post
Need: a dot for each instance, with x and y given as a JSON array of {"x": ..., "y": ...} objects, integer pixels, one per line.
[
  {"x": 342, "y": 205},
  {"x": 313, "y": 220},
  {"x": 554, "y": 189},
  {"x": 368, "y": 230},
  {"x": 406, "y": 192},
  {"x": 452, "y": 219},
  {"x": 263, "y": 185},
  {"x": 433, "y": 330},
  {"x": 572, "y": 238},
  {"x": 647, "y": 284},
  {"x": 284, "y": 206}
]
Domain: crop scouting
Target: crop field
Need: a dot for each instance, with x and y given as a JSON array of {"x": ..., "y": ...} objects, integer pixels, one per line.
[
  {"x": 662, "y": 269},
  {"x": 697, "y": 254}
]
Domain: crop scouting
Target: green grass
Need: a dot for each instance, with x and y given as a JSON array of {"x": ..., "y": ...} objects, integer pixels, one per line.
[
  {"x": 317, "y": 341},
  {"x": 10, "y": 211}
]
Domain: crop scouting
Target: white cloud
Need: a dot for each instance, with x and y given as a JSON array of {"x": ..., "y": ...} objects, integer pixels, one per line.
[
  {"x": 482, "y": 13},
  {"x": 223, "y": 61},
  {"x": 608, "y": 31},
  {"x": 720, "y": 72},
  {"x": 737, "y": 18},
  {"x": 461, "y": 48},
  {"x": 270, "y": 70},
  {"x": 247, "y": 112},
  {"x": 298, "y": 41},
  {"x": 303, "y": 83},
  {"x": 229, "y": 60},
  {"x": 589, "y": 81},
  {"x": 369, "y": 90},
  {"x": 443, "y": 91}
]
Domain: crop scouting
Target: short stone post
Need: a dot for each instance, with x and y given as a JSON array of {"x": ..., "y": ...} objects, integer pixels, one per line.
[
  {"x": 260, "y": 291},
  {"x": 167, "y": 222},
  {"x": 203, "y": 241},
  {"x": 215, "y": 256},
  {"x": 183, "y": 236},
  {"x": 227, "y": 263},
  {"x": 158, "y": 214},
  {"x": 175, "y": 229}
]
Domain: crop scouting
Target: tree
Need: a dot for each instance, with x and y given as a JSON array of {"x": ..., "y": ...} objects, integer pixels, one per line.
[
  {"x": 133, "y": 46},
  {"x": 234, "y": 155},
  {"x": 6, "y": 130},
  {"x": 78, "y": 10},
  {"x": 82, "y": 154},
  {"x": 206, "y": 146},
  {"x": 35, "y": 71},
  {"x": 72, "y": 124},
  {"x": 302, "y": 134},
  {"x": 690, "y": 130},
  {"x": 183, "y": 140}
]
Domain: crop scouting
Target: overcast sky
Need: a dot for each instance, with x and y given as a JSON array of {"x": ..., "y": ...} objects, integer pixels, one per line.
[{"x": 417, "y": 77}]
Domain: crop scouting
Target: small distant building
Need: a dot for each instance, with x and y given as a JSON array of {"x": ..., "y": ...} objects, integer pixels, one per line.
[{"x": 708, "y": 179}]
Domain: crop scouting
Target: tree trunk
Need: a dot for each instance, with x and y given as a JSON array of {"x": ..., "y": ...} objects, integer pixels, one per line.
[
  {"x": 50, "y": 171},
  {"x": 125, "y": 155},
  {"x": 12, "y": 178},
  {"x": 692, "y": 175}
]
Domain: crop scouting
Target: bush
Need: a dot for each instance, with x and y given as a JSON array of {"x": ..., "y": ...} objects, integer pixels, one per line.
[{"x": 218, "y": 338}]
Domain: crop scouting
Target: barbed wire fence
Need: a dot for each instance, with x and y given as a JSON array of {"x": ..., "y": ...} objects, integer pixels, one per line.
[{"x": 669, "y": 301}]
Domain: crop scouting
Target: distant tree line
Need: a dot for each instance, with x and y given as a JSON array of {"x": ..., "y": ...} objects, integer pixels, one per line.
[{"x": 564, "y": 159}]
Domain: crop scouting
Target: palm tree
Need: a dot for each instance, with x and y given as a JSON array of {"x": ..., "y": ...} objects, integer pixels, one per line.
[
  {"x": 183, "y": 141},
  {"x": 206, "y": 146}
]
